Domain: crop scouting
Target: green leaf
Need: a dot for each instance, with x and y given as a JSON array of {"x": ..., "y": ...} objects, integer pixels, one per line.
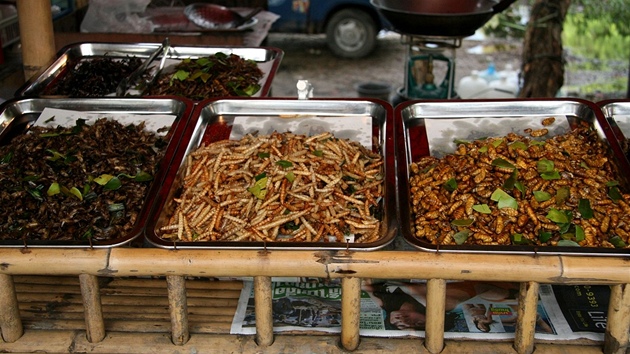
[
  {"x": 318, "y": 153},
  {"x": 53, "y": 189},
  {"x": 550, "y": 175},
  {"x": 450, "y": 185},
  {"x": 290, "y": 176},
  {"x": 461, "y": 141},
  {"x": 56, "y": 155},
  {"x": 461, "y": 237},
  {"x": 499, "y": 162},
  {"x": 113, "y": 184},
  {"x": 181, "y": 75},
  {"x": 557, "y": 216},
  {"x": 259, "y": 189},
  {"x": 614, "y": 193},
  {"x": 612, "y": 183},
  {"x": 143, "y": 177},
  {"x": 260, "y": 176},
  {"x": 545, "y": 236},
  {"x": 544, "y": 166},
  {"x": 518, "y": 145},
  {"x": 7, "y": 158},
  {"x": 520, "y": 186},
  {"x": 76, "y": 192},
  {"x": 103, "y": 179},
  {"x": 483, "y": 149},
  {"x": 510, "y": 181},
  {"x": 536, "y": 142},
  {"x": 496, "y": 142},
  {"x": 568, "y": 243},
  {"x": 504, "y": 200},
  {"x": 584, "y": 207},
  {"x": 562, "y": 194},
  {"x": 541, "y": 196},
  {"x": 263, "y": 155},
  {"x": 482, "y": 208},
  {"x": 518, "y": 239},
  {"x": 584, "y": 165},
  {"x": 462, "y": 222},
  {"x": 579, "y": 233},
  {"x": 284, "y": 163},
  {"x": 114, "y": 207},
  {"x": 617, "y": 241}
]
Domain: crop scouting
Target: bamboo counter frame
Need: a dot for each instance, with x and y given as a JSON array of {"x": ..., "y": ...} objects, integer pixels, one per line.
[{"x": 351, "y": 267}]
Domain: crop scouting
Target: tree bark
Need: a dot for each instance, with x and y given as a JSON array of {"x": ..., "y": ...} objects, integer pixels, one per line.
[{"x": 543, "y": 61}]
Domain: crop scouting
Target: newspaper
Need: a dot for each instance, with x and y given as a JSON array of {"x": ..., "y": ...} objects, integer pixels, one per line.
[{"x": 474, "y": 310}]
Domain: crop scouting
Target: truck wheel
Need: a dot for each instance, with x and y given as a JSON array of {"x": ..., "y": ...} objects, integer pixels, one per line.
[{"x": 351, "y": 33}]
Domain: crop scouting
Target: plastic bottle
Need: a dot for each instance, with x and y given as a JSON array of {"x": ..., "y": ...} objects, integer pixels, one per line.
[
  {"x": 510, "y": 74},
  {"x": 472, "y": 86},
  {"x": 490, "y": 74}
]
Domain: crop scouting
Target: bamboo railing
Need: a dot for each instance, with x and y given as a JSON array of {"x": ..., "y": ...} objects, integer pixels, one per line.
[{"x": 351, "y": 267}]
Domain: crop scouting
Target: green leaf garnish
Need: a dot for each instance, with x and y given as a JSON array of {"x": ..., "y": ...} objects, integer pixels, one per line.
[
  {"x": 579, "y": 233},
  {"x": 562, "y": 194},
  {"x": 568, "y": 243},
  {"x": 284, "y": 163},
  {"x": 263, "y": 155},
  {"x": 290, "y": 176},
  {"x": 483, "y": 149},
  {"x": 499, "y": 162},
  {"x": 103, "y": 179},
  {"x": 461, "y": 237},
  {"x": 462, "y": 222},
  {"x": 259, "y": 189},
  {"x": 550, "y": 175},
  {"x": 557, "y": 216},
  {"x": 113, "y": 184},
  {"x": 510, "y": 181},
  {"x": 541, "y": 196},
  {"x": 544, "y": 166},
  {"x": 53, "y": 189},
  {"x": 76, "y": 192},
  {"x": 617, "y": 241},
  {"x": 503, "y": 199},
  {"x": 612, "y": 183},
  {"x": 318, "y": 153},
  {"x": 584, "y": 207},
  {"x": 482, "y": 208},
  {"x": 518, "y": 145},
  {"x": 143, "y": 177},
  {"x": 461, "y": 141},
  {"x": 614, "y": 193},
  {"x": 450, "y": 185},
  {"x": 545, "y": 236},
  {"x": 260, "y": 176},
  {"x": 520, "y": 186},
  {"x": 7, "y": 158}
]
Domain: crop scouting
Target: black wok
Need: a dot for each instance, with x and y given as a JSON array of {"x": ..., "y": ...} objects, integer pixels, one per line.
[{"x": 449, "y": 18}]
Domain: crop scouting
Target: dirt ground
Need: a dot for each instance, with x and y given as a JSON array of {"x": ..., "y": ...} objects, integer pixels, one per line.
[{"x": 307, "y": 57}]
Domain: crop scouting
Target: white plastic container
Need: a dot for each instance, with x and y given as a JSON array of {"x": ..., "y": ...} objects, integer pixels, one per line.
[
  {"x": 501, "y": 88},
  {"x": 472, "y": 86}
]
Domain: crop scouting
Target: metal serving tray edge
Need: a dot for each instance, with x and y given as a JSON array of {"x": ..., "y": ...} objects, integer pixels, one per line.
[
  {"x": 208, "y": 112},
  {"x": 412, "y": 113},
  {"x": 70, "y": 54},
  {"x": 17, "y": 114}
]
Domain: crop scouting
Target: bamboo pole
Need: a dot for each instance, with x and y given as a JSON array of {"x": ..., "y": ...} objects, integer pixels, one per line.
[
  {"x": 178, "y": 309},
  {"x": 527, "y": 313},
  {"x": 436, "y": 307},
  {"x": 94, "y": 323},
  {"x": 36, "y": 34},
  {"x": 10, "y": 321},
  {"x": 350, "y": 312},
  {"x": 618, "y": 322},
  {"x": 263, "y": 310}
]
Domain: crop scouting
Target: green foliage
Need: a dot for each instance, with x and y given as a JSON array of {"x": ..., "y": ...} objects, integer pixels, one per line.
[{"x": 595, "y": 38}]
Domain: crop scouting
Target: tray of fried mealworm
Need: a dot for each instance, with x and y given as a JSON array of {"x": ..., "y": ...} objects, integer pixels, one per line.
[
  {"x": 281, "y": 173},
  {"x": 511, "y": 176}
]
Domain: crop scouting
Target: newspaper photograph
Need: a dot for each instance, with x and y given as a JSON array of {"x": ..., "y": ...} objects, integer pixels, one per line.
[{"x": 474, "y": 310}]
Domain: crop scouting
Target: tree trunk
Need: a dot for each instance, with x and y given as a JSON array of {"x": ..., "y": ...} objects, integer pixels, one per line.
[{"x": 543, "y": 61}]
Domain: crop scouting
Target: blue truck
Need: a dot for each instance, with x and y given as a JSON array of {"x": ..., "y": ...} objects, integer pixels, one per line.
[{"x": 351, "y": 26}]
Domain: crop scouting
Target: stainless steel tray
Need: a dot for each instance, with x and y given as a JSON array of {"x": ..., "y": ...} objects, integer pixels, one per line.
[
  {"x": 617, "y": 112},
  {"x": 214, "y": 121},
  {"x": 18, "y": 114},
  {"x": 268, "y": 60},
  {"x": 412, "y": 144}
]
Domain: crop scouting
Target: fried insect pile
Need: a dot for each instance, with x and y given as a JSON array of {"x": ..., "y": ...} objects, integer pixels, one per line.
[
  {"x": 516, "y": 190},
  {"x": 78, "y": 183},
  {"x": 217, "y": 75},
  {"x": 279, "y": 187}
]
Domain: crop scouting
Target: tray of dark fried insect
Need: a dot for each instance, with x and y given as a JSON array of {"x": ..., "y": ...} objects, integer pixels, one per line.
[
  {"x": 82, "y": 172},
  {"x": 539, "y": 176},
  {"x": 156, "y": 69},
  {"x": 617, "y": 112},
  {"x": 281, "y": 174}
]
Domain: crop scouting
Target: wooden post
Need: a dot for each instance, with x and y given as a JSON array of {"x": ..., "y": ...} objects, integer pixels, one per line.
[
  {"x": 618, "y": 322},
  {"x": 264, "y": 311},
  {"x": 178, "y": 308},
  {"x": 10, "y": 321},
  {"x": 436, "y": 307},
  {"x": 36, "y": 35},
  {"x": 526, "y": 322},
  {"x": 350, "y": 312},
  {"x": 94, "y": 323}
]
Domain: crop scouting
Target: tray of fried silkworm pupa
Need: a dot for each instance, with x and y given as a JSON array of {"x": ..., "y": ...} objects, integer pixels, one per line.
[
  {"x": 617, "y": 112},
  {"x": 281, "y": 174},
  {"x": 154, "y": 69},
  {"x": 83, "y": 172},
  {"x": 538, "y": 176}
]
